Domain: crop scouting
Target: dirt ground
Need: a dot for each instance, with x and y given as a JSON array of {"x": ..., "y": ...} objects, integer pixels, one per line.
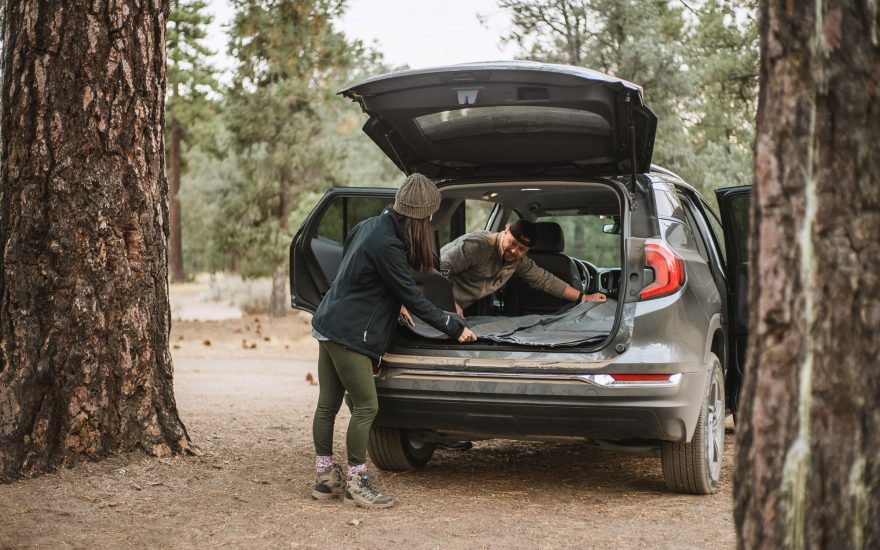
[{"x": 242, "y": 391}]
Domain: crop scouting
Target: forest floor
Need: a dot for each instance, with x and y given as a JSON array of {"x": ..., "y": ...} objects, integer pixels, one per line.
[{"x": 243, "y": 392}]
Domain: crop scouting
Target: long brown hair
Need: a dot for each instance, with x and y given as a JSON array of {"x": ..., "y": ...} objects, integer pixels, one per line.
[{"x": 418, "y": 235}]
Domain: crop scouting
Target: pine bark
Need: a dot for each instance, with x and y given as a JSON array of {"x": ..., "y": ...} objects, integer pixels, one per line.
[
  {"x": 808, "y": 457},
  {"x": 85, "y": 368}
]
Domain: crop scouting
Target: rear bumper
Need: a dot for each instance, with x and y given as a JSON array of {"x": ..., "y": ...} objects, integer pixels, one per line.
[{"x": 538, "y": 406}]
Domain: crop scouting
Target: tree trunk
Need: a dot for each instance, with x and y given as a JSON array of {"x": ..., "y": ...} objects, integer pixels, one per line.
[
  {"x": 85, "y": 368},
  {"x": 808, "y": 460},
  {"x": 176, "y": 241},
  {"x": 279, "y": 299}
]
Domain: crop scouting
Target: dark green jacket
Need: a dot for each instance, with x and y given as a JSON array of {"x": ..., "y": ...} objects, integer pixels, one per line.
[{"x": 360, "y": 311}]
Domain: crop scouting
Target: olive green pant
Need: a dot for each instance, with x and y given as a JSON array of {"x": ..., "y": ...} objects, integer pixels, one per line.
[{"x": 339, "y": 370}]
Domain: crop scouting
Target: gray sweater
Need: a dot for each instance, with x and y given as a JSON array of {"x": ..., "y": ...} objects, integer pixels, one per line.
[{"x": 474, "y": 264}]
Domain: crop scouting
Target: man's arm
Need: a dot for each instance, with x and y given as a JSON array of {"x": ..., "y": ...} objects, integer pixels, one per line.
[
  {"x": 541, "y": 279},
  {"x": 574, "y": 295}
]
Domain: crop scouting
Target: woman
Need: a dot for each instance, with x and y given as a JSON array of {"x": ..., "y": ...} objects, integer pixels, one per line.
[{"x": 354, "y": 323}]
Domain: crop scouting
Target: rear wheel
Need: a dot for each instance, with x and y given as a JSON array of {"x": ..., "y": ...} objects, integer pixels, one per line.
[
  {"x": 396, "y": 450},
  {"x": 695, "y": 467}
]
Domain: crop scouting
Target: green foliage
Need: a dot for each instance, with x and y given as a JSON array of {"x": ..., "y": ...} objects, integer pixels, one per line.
[
  {"x": 697, "y": 62},
  {"x": 723, "y": 56},
  {"x": 191, "y": 78},
  {"x": 290, "y": 137}
]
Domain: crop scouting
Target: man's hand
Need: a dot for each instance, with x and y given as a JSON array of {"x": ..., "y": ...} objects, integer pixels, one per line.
[
  {"x": 406, "y": 316},
  {"x": 459, "y": 310},
  {"x": 467, "y": 336},
  {"x": 597, "y": 297}
]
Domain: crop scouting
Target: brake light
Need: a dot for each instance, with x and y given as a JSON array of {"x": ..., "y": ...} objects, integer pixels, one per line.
[
  {"x": 641, "y": 377},
  {"x": 668, "y": 270}
]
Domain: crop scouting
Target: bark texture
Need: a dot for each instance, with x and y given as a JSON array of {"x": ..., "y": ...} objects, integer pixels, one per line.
[
  {"x": 808, "y": 457},
  {"x": 85, "y": 369}
]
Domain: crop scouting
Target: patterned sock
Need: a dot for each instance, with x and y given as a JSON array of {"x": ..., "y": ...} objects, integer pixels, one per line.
[
  {"x": 324, "y": 463},
  {"x": 357, "y": 470}
]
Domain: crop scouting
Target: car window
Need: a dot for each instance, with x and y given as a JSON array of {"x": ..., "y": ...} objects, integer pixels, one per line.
[
  {"x": 346, "y": 212},
  {"x": 739, "y": 208},
  {"x": 472, "y": 215},
  {"x": 586, "y": 240},
  {"x": 717, "y": 231},
  {"x": 477, "y": 214},
  {"x": 679, "y": 235},
  {"x": 668, "y": 204},
  {"x": 511, "y": 119},
  {"x": 695, "y": 227}
]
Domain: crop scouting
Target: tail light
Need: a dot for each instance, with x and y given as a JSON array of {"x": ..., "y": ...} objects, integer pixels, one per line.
[
  {"x": 625, "y": 380},
  {"x": 668, "y": 270}
]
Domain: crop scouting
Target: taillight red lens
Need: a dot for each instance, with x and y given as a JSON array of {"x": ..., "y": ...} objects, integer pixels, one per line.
[
  {"x": 640, "y": 377},
  {"x": 668, "y": 271}
]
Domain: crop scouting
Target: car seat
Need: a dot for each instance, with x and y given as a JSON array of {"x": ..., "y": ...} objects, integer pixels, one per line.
[{"x": 519, "y": 297}]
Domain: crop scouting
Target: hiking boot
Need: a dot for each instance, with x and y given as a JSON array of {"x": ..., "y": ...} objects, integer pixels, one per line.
[
  {"x": 330, "y": 484},
  {"x": 359, "y": 491}
]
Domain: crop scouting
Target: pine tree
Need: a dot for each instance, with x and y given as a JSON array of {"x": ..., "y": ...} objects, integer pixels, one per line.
[
  {"x": 288, "y": 53},
  {"x": 808, "y": 451},
  {"x": 85, "y": 367},
  {"x": 191, "y": 80},
  {"x": 696, "y": 61},
  {"x": 639, "y": 41},
  {"x": 723, "y": 57}
]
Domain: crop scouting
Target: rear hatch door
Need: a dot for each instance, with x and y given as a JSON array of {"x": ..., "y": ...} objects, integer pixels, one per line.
[{"x": 507, "y": 119}]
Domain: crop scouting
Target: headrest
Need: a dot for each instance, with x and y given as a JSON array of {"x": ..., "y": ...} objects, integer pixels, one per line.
[{"x": 550, "y": 238}]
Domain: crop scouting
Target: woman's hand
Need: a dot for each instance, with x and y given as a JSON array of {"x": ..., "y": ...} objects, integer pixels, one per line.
[
  {"x": 597, "y": 297},
  {"x": 466, "y": 336},
  {"x": 406, "y": 316}
]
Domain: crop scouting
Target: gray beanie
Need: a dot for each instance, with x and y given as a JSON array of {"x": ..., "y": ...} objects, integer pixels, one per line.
[{"x": 417, "y": 198}]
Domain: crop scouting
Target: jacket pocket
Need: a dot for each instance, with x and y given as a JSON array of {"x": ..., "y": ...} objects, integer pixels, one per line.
[{"x": 370, "y": 322}]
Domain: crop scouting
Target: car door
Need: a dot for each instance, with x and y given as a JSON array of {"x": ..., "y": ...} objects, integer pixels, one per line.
[
  {"x": 734, "y": 204},
  {"x": 316, "y": 249}
]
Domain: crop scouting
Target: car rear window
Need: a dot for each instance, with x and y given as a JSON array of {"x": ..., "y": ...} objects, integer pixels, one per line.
[
  {"x": 586, "y": 239},
  {"x": 510, "y": 119}
]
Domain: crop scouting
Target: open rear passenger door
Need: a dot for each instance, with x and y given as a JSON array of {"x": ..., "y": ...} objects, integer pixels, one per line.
[
  {"x": 316, "y": 249},
  {"x": 733, "y": 203}
]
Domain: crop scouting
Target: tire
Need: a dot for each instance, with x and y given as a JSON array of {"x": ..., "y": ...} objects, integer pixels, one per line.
[
  {"x": 392, "y": 449},
  {"x": 695, "y": 467}
]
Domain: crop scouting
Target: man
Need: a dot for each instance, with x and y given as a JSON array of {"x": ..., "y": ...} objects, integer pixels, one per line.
[{"x": 479, "y": 263}]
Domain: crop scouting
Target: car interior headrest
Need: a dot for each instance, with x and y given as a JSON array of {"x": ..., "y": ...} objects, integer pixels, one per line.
[{"x": 550, "y": 238}]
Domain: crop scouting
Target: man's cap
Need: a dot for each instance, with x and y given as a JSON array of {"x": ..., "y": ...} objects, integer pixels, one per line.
[
  {"x": 417, "y": 198},
  {"x": 524, "y": 232}
]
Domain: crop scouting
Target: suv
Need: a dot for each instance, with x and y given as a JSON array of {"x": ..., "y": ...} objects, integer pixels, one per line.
[{"x": 569, "y": 149}]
